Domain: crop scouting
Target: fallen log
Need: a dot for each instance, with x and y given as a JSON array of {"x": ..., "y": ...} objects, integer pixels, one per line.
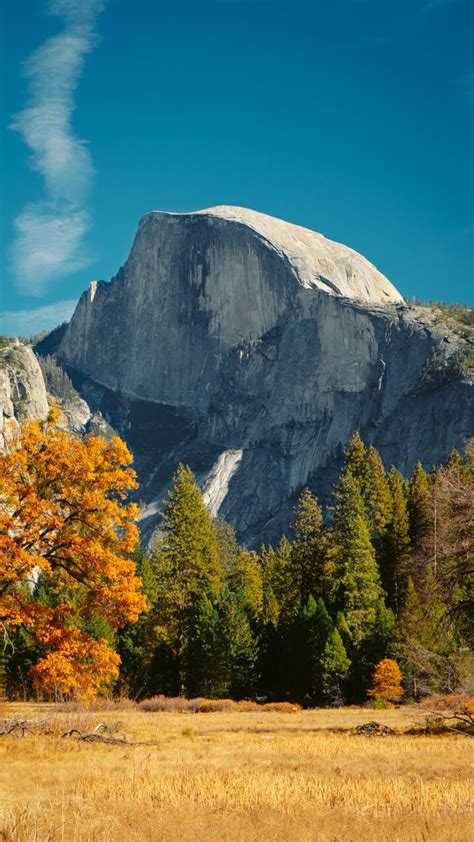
[
  {"x": 95, "y": 736},
  {"x": 26, "y": 726}
]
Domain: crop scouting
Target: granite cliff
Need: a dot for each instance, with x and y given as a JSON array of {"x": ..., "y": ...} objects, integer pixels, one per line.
[
  {"x": 22, "y": 388},
  {"x": 251, "y": 349}
]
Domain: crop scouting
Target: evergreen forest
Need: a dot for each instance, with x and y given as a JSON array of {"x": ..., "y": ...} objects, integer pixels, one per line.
[{"x": 384, "y": 573}]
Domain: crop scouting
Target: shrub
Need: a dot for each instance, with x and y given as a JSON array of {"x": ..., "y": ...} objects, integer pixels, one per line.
[
  {"x": 170, "y": 704},
  {"x": 179, "y": 704},
  {"x": 245, "y": 705},
  {"x": 281, "y": 707},
  {"x": 216, "y": 705}
]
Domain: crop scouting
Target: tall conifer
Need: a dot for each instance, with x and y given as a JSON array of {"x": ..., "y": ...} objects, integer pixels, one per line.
[
  {"x": 356, "y": 566},
  {"x": 419, "y": 506},
  {"x": 335, "y": 666},
  {"x": 396, "y": 547},
  {"x": 186, "y": 561},
  {"x": 309, "y": 550},
  {"x": 376, "y": 494}
]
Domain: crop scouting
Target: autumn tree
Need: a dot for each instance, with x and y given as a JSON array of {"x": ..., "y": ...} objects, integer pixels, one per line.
[
  {"x": 387, "y": 681},
  {"x": 65, "y": 525}
]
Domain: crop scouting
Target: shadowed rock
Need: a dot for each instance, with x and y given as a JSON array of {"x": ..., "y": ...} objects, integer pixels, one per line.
[{"x": 230, "y": 332}]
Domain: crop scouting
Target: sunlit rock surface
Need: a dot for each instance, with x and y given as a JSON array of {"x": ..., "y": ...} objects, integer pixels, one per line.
[
  {"x": 22, "y": 388},
  {"x": 230, "y": 332}
]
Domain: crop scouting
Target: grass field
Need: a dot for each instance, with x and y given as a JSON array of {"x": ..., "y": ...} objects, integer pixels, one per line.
[{"x": 235, "y": 777}]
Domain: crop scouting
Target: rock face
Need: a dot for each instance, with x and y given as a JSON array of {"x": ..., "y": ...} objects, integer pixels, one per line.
[
  {"x": 22, "y": 388},
  {"x": 252, "y": 349}
]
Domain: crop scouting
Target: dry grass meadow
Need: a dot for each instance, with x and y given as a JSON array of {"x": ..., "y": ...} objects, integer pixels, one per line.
[{"x": 234, "y": 777}]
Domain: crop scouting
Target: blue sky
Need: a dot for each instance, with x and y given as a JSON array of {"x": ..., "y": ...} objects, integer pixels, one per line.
[{"x": 352, "y": 117}]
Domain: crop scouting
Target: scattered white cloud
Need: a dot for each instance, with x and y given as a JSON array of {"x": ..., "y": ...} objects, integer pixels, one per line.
[
  {"x": 48, "y": 244},
  {"x": 432, "y": 5},
  {"x": 49, "y": 234},
  {"x": 29, "y": 322}
]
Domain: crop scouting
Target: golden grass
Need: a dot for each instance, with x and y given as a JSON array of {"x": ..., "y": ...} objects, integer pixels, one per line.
[{"x": 228, "y": 777}]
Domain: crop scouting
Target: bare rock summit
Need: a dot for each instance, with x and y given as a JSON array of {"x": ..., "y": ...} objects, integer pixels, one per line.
[{"x": 252, "y": 349}]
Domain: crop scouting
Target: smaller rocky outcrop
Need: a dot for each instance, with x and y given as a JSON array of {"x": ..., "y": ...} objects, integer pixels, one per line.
[
  {"x": 22, "y": 388},
  {"x": 28, "y": 385}
]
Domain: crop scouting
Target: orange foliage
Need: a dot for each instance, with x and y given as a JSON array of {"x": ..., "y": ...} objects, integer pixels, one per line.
[
  {"x": 387, "y": 681},
  {"x": 453, "y": 706},
  {"x": 63, "y": 514},
  {"x": 80, "y": 667}
]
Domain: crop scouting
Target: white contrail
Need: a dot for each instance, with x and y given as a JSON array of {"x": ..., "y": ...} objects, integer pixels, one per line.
[{"x": 49, "y": 234}]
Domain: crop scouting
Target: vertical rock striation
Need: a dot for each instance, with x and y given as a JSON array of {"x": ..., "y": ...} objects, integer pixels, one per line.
[{"x": 230, "y": 332}]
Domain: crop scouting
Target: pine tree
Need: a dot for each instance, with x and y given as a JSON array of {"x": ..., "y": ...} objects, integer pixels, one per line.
[
  {"x": 207, "y": 668},
  {"x": 227, "y": 544},
  {"x": 241, "y": 644},
  {"x": 377, "y": 496},
  {"x": 344, "y": 631},
  {"x": 246, "y": 576},
  {"x": 309, "y": 550},
  {"x": 335, "y": 666},
  {"x": 314, "y": 629},
  {"x": 186, "y": 562},
  {"x": 427, "y": 647},
  {"x": 279, "y": 572},
  {"x": 308, "y": 522},
  {"x": 355, "y": 459},
  {"x": 360, "y": 589},
  {"x": 268, "y": 565},
  {"x": 188, "y": 537},
  {"x": 455, "y": 462},
  {"x": 375, "y": 646},
  {"x": 419, "y": 506},
  {"x": 360, "y": 580},
  {"x": 407, "y": 634},
  {"x": 137, "y": 642},
  {"x": 395, "y": 552},
  {"x": 269, "y": 668},
  {"x": 365, "y": 466}
]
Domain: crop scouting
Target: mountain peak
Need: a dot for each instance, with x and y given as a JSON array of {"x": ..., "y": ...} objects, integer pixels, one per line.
[{"x": 316, "y": 261}]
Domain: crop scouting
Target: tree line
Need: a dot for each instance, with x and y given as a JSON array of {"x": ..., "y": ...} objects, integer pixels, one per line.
[{"x": 386, "y": 572}]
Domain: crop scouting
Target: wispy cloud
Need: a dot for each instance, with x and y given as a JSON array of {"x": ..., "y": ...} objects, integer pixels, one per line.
[
  {"x": 432, "y": 5},
  {"x": 49, "y": 234},
  {"x": 29, "y": 322}
]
